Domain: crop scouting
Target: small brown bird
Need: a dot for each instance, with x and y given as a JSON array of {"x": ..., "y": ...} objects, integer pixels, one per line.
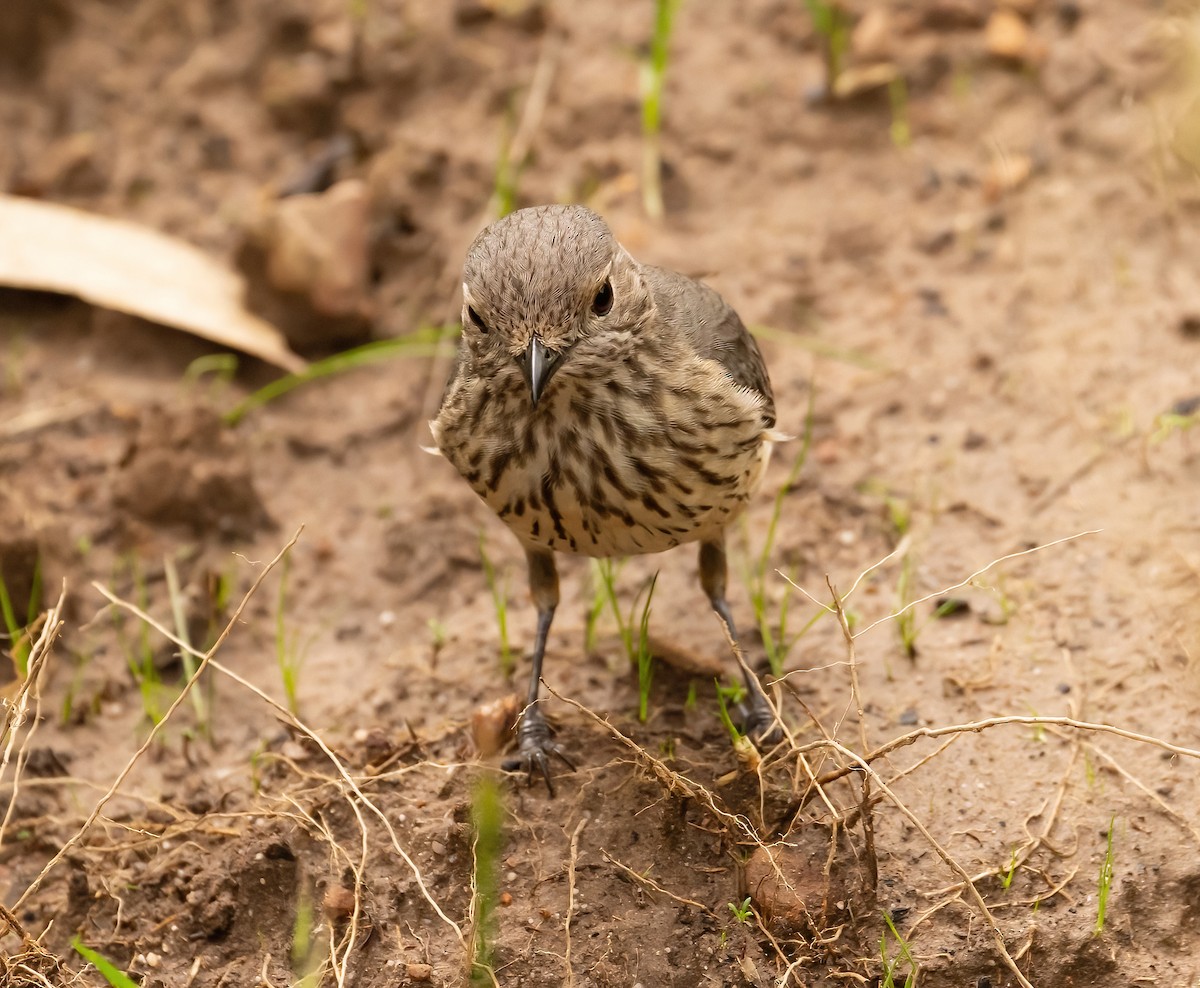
[{"x": 603, "y": 407}]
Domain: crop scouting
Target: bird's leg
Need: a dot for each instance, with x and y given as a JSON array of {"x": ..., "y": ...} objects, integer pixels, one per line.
[
  {"x": 759, "y": 717},
  {"x": 534, "y": 745}
]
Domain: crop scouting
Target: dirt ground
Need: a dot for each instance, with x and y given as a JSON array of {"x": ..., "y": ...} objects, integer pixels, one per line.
[{"x": 984, "y": 280}]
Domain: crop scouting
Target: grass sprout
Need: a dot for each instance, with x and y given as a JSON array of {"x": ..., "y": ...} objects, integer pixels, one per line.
[
  {"x": 508, "y": 172},
  {"x": 1169, "y": 423},
  {"x": 221, "y": 367},
  {"x": 305, "y": 954},
  {"x": 900, "y": 130},
  {"x": 742, "y": 912},
  {"x": 179, "y": 616},
  {"x": 600, "y": 596},
  {"x": 832, "y": 25},
  {"x": 425, "y": 342},
  {"x": 727, "y": 695},
  {"x": 818, "y": 347},
  {"x": 774, "y": 634},
  {"x": 890, "y": 966},
  {"x": 645, "y": 660},
  {"x": 108, "y": 970},
  {"x": 138, "y": 650},
  {"x": 906, "y": 622},
  {"x": 498, "y": 587},
  {"x": 1106, "y": 878},
  {"x": 487, "y": 823},
  {"x": 607, "y": 570},
  {"x": 19, "y": 642},
  {"x": 637, "y": 649},
  {"x": 1006, "y": 876},
  {"x": 290, "y": 652},
  {"x": 653, "y": 74}
]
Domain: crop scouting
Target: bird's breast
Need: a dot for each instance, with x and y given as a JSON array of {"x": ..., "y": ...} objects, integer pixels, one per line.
[{"x": 608, "y": 466}]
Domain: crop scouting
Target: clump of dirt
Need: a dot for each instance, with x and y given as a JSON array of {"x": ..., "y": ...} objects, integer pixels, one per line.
[{"x": 183, "y": 467}]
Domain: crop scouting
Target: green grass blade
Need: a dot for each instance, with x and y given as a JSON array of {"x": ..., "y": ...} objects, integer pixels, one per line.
[
  {"x": 818, "y": 347},
  {"x": 487, "y": 822},
  {"x": 13, "y": 629},
  {"x": 608, "y": 578},
  {"x": 653, "y": 72},
  {"x": 423, "y": 343},
  {"x": 1106, "y": 877},
  {"x": 109, "y": 971},
  {"x": 645, "y": 660},
  {"x": 498, "y": 587},
  {"x": 175, "y": 595}
]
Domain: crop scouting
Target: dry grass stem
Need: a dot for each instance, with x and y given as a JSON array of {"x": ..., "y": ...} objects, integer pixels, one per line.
[
  {"x": 288, "y": 717},
  {"x": 649, "y": 883},
  {"x": 571, "y": 861},
  {"x": 950, "y": 861},
  {"x": 1115, "y": 766},
  {"x": 155, "y": 730},
  {"x": 16, "y": 710},
  {"x": 979, "y": 572},
  {"x": 672, "y": 781}
]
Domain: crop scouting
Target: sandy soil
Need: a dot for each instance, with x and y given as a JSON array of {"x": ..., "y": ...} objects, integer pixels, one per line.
[{"x": 990, "y": 322}]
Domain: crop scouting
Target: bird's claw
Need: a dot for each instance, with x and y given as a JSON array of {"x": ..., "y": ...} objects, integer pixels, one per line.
[
  {"x": 760, "y": 724},
  {"x": 534, "y": 750}
]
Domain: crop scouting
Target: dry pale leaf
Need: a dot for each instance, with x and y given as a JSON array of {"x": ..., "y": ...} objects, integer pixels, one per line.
[{"x": 130, "y": 268}]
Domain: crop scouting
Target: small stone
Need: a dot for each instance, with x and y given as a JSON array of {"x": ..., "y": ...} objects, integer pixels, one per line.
[
  {"x": 294, "y": 751},
  {"x": 1007, "y": 36},
  {"x": 1007, "y": 173},
  {"x": 788, "y": 885},
  {"x": 418, "y": 972},
  {"x": 492, "y": 724},
  {"x": 339, "y": 903}
]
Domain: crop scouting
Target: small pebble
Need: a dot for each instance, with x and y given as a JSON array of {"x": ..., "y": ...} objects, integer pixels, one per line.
[{"x": 418, "y": 972}]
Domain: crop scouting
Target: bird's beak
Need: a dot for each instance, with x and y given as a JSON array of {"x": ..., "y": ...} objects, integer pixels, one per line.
[{"x": 538, "y": 364}]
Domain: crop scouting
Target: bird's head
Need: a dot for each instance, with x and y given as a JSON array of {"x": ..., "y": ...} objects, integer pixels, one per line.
[{"x": 542, "y": 284}]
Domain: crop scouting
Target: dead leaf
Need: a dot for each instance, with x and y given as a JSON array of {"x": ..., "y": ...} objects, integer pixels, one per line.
[{"x": 131, "y": 268}]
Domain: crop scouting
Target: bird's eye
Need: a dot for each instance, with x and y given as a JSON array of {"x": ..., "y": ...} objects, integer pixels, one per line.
[
  {"x": 475, "y": 318},
  {"x": 602, "y": 303}
]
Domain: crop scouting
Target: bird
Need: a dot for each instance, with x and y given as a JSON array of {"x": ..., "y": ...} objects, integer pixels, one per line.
[{"x": 602, "y": 407}]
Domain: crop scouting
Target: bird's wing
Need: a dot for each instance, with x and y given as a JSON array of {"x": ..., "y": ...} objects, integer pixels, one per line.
[{"x": 714, "y": 329}]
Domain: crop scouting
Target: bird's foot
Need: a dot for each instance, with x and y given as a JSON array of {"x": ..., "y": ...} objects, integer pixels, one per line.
[
  {"x": 535, "y": 748},
  {"x": 760, "y": 723}
]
